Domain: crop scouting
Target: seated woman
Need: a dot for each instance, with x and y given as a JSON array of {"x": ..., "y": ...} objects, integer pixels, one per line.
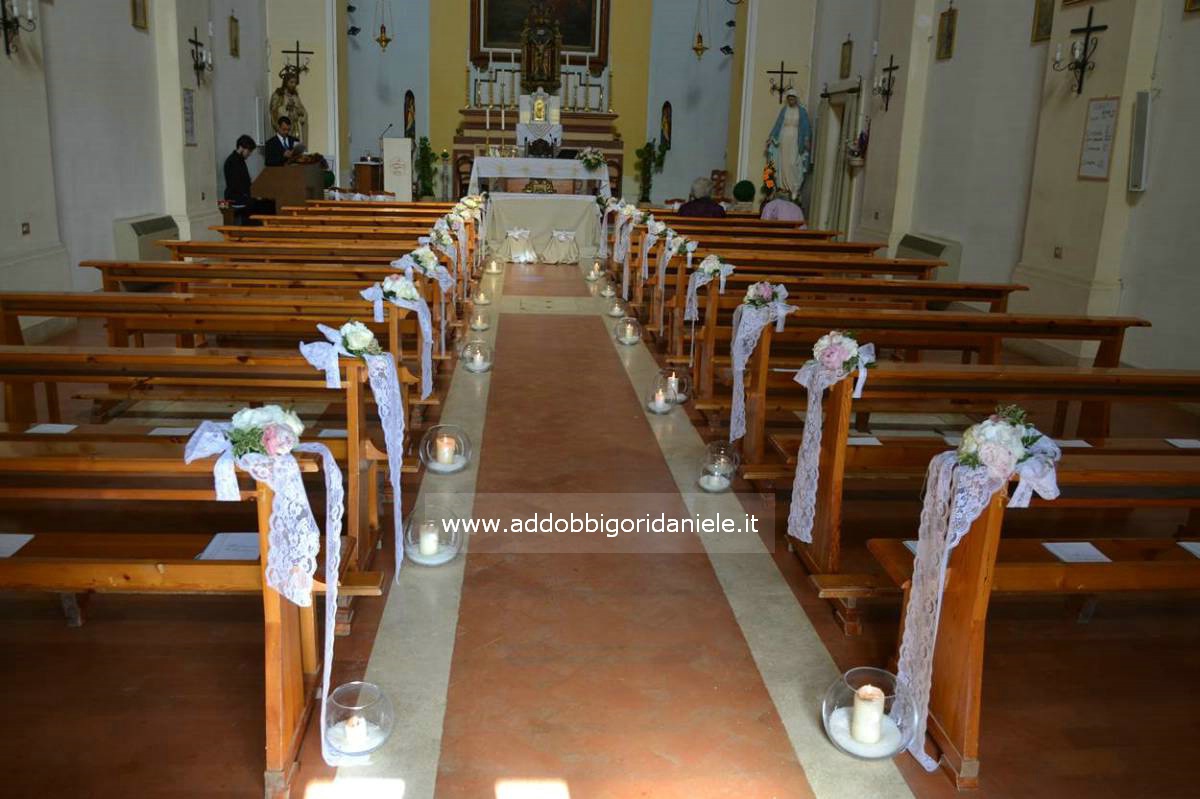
[{"x": 701, "y": 203}]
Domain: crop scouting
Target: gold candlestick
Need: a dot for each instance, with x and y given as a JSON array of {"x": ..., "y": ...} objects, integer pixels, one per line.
[
  {"x": 611, "y": 83},
  {"x": 468, "y": 87}
]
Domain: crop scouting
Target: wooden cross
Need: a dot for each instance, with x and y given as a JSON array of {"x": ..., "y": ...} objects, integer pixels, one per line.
[
  {"x": 1089, "y": 47},
  {"x": 297, "y": 53},
  {"x": 780, "y": 88},
  {"x": 889, "y": 82}
]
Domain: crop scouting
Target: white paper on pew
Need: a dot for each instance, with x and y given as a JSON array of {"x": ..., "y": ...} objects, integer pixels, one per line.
[
  {"x": 333, "y": 433},
  {"x": 51, "y": 429},
  {"x": 172, "y": 431},
  {"x": 1184, "y": 443},
  {"x": 904, "y": 433},
  {"x": 231, "y": 546},
  {"x": 864, "y": 441},
  {"x": 952, "y": 439},
  {"x": 911, "y": 546},
  {"x": 1072, "y": 443},
  {"x": 1191, "y": 546},
  {"x": 11, "y": 542},
  {"x": 1076, "y": 552}
]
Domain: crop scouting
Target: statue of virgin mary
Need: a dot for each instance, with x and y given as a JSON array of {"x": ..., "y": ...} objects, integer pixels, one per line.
[{"x": 789, "y": 145}]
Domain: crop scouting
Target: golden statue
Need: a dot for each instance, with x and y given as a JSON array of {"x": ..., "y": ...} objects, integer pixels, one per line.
[{"x": 539, "y": 110}]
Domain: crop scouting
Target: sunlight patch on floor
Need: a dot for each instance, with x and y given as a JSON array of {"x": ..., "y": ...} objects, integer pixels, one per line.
[
  {"x": 357, "y": 788},
  {"x": 532, "y": 789}
]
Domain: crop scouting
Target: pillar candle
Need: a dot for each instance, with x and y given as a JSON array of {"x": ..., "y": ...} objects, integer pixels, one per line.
[
  {"x": 673, "y": 385},
  {"x": 356, "y": 733},
  {"x": 867, "y": 717},
  {"x": 429, "y": 542},
  {"x": 445, "y": 449}
]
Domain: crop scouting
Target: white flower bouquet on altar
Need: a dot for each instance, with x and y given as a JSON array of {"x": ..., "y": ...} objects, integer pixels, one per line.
[
  {"x": 838, "y": 352},
  {"x": 760, "y": 295},
  {"x": 269, "y": 430},
  {"x": 592, "y": 158},
  {"x": 358, "y": 339},
  {"x": 398, "y": 287},
  {"x": 999, "y": 443}
]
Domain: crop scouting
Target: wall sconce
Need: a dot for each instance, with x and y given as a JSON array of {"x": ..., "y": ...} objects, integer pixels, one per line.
[
  {"x": 726, "y": 50},
  {"x": 354, "y": 30},
  {"x": 1081, "y": 61},
  {"x": 201, "y": 57},
  {"x": 10, "y": 19}
]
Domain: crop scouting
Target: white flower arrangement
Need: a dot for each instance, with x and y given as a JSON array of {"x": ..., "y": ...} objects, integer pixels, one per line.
[
  {"x": 471, "y": 201},
  {"x": 611, "y": 203},
  {"x": 762, "y": 294},
  {"x": 466, "y": 211},
  {"x": 712, "y": 265},
  {"x": 440, "y": 236},
  {"x": 425, "y": 259},
  {"x": 592, "y": 158},
  {"x": 398, "y": 287},
  {"x": 655, "y": 227},
  {"x": 269, "y": 430},
  {"x": 628, "y": 210},
  {"x": 837, "y": 351},
  {"x": 998, "y": 443},
  {"x": 358, "y": 339}
]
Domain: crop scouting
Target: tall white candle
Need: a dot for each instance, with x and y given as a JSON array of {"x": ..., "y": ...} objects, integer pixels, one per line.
[
  {"x": 867, "y": 718},
  {"x": 445, "y": 449},
  {"x": 478, "y": 361},
  {"x": 487, "y": 118},
  {"x": 673, "y": 385},
  {"x": 429, "y": 543}
]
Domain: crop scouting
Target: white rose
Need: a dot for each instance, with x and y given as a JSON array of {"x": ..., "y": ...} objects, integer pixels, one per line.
[
  {"x": 357, "y": 337},
  {"x": 656, "y": 228},
  {"x": 401, "y": 287},
  {"x": 290, "y": 419},
  {"x": 711, "y": 265},
  {"x": 258, "y": 418}
]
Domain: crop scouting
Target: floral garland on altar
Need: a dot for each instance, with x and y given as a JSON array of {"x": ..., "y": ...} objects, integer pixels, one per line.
[
  {"x": 835, "y": 356},
  {"x": 266, "y": 439},
  {"x": 592, "y": 158},
  {"x": 958, "y": 487}
]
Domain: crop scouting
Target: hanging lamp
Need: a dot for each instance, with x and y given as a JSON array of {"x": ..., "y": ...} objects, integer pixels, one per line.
[
  {"x": 701, "y": 27},
  {"x": 383, "y": 18}
]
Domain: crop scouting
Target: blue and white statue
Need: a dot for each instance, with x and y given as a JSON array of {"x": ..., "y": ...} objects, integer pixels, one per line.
[{"x": 790, "y": 144}]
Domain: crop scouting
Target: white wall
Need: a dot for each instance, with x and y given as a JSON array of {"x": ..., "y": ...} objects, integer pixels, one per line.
[
  {"x": 836, "y": 19},
  {"x": 378, "y": 79},
  {"x": 1159, "y": 280},
  {"x": 979, "y": 138},
  {"x": 698, "y": 91},
  {"x": 104, "y": 133},
  {"x": 237, "y": 82}
]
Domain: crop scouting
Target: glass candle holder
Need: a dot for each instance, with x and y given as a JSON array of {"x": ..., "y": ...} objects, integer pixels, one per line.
[
  {"x": 359, "y": 718},
  {"x": 480, "y": 321},
  {"x": 717, "y": 472},
  {"x": 615, "y": 307},
  {"x": 445, "y": 449},
  {"x": 594, "y": 273},
  {"x": 657, "y": 400},
  {"x": 628, "y": 331},
  {"x": 606, "y": 288},
  {"x": 493, "y": 267},
  {"x": 862, "y": 716},
  {"x": 481, "y": 297},
  {"x": 725, "y": 449},
  {"x": 432, "y": 537},
  {"x": 677, "y": 384},
  {"x": 476, "y": 356}
]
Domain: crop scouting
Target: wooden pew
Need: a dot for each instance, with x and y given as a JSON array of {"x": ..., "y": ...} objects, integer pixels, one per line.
[
  {"x": 71, "y": 562},
  {"x": 984, "y": 563},
  {"x": 302, "y": 231},
  {"x": 332, "y": 252}
]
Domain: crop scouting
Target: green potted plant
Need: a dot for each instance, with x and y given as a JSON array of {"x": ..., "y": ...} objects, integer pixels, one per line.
[
  {"x": 650, "y": 158},
  {"x": 424, "y": 169}
]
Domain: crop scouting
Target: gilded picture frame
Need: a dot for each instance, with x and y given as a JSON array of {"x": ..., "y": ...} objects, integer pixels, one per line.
[{"x": 139, "y": 14}]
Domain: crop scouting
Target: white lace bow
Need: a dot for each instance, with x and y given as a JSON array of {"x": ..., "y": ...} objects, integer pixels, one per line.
[
  {"x": 374, "y": 294},
  {"x": 748, "y": 323}
]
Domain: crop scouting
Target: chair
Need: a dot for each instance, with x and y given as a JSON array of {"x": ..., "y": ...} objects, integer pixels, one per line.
[{"x": 462, "y": 168}]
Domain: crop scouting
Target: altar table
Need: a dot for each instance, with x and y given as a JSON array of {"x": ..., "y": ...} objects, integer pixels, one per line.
[
  {"x": 542, "y": 214},
  {"x": 551, "y": 168}
]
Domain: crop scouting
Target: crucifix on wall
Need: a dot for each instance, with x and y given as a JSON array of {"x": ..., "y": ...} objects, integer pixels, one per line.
[
  {"x": 782, "y": 86},
  {"x": 885, "y": 84},
  {"x": 297, "y": 52}
]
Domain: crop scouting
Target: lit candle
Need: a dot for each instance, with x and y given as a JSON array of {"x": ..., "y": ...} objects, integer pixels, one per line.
[
  {"x": 481, "y": 298},
  {"x": 445, "y": 449},
  {"x": 429, "y": 540},
  {"x": 479, "y": 322},
  {"x": 487, "y": 118},
  {"x": 659, "y": 404},
  {"x": 477, "y": 361},
  {"x": 867, "y": 718},
  {"x": 355, "y": 729},
  {"x": 673, "y": 385},
  {"x": 630, "y": 333}
]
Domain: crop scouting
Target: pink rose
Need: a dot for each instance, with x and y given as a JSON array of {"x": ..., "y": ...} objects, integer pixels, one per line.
[
  {"x": 278, "y": 439},
  {"x": 998, "y": 459},
  {"x": 834, "y": 356},
  {"x": 765, "y": 292}
]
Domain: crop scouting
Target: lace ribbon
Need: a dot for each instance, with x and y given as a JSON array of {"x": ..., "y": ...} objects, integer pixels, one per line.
[
  {"x": 624, "y": 242},
  {"x": 955, "y": 495},
  {"x": 816, "y": 378},
  {"x": 698, "y": 280},
  {"x": 604, "y": 215},
  {"x": 648, "y": 243},
  {"x": 748, "y": 322},
  {"x": 374, "y": 294},
  {"x": 294, "y": 540},
  {"x": 385, "y": 387},
  {"x": 663, "y": 268},
  {"x": 445, "y": 283}
]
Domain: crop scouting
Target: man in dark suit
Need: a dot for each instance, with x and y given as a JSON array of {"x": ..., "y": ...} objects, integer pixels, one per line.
[
  {"x": 237, "y": 176},
  {"x": 281, "y": 148}
]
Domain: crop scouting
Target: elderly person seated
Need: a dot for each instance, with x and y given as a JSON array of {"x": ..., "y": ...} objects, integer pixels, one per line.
[
  {"x": 779, "y": 206},
  {"x": 701, "y": 202}
]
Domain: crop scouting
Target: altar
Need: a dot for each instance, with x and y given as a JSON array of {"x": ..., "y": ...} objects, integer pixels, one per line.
[
  {"x": 552, "y": 169},
  {"x": 542, "y": 214}
]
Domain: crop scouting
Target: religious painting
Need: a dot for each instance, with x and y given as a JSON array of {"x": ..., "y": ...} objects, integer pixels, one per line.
[
  {"x": 847, "y": 58},
  {"x": 664, "y": 126},
  {"x": 138, "y": 16},
  {"x": 1043, "y": 20},
  {"x": 496, "y": 27},
  {"x": 947, "y": 28},
  {"x": 410, "y": 115},
  {"x": 235, "y": 37}
]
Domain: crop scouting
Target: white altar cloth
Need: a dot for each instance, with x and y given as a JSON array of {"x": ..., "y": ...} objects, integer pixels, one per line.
[
  {"x": 539, "y": 131},
  {"x": 552, "y": 168},
  {"x": 542, "y": 214}
]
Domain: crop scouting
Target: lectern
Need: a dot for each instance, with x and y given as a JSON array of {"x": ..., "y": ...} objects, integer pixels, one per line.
[{"x": 290, "y": 185}]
